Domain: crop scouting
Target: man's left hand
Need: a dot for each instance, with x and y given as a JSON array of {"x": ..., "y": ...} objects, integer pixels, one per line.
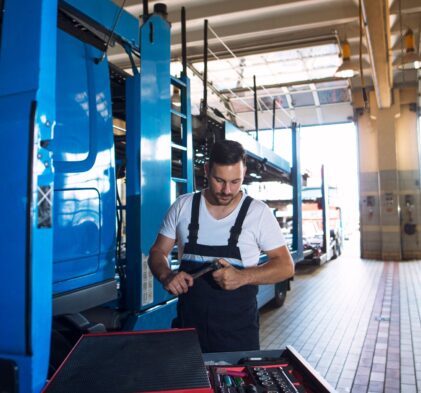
[{"x": 228, "y": 277}]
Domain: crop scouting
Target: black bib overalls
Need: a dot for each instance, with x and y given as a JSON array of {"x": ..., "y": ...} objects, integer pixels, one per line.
[{"x": 225, "y": 320}]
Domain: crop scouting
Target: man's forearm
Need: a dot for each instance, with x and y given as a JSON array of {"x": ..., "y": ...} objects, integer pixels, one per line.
[
  {"x": 267, "y": 274},
  {"x": 158, "y": 263}
]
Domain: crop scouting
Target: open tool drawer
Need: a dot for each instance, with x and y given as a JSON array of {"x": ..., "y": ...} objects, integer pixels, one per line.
[
  {"x": 255, "y": 379},
  {"x": 264, "y": 372}
]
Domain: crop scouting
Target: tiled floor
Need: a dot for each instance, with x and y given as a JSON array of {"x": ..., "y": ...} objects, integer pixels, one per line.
[{"x": 357, "y": 322}]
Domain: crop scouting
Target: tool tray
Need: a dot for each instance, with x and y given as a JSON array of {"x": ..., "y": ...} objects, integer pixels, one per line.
[
  {"x": 280, "y": 371},
  {"x": 273, "y": 378}
]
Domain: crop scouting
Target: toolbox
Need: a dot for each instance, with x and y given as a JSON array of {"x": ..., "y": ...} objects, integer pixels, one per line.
[{"x": 171, "y": 361}]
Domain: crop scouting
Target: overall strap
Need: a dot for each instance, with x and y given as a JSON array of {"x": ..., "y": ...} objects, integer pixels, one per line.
[
  {"x": 237, "y": 227},
  {"x": 194, "y": 220}
]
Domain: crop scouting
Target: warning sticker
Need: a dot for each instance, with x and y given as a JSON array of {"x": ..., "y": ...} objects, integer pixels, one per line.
[
  {"x": 147, "y": 282},
  {"x": 44, "y": 207}
]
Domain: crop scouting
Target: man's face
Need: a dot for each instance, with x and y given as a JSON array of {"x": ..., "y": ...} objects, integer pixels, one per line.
[{"x": 225, "y": 181}]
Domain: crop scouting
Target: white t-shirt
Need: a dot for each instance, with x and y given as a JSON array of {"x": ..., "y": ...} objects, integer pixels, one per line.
[{"x": 260, "y": 230}]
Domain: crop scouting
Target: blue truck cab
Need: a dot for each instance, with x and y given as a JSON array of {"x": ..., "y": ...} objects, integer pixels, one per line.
[{"x": 84, "y": 180}]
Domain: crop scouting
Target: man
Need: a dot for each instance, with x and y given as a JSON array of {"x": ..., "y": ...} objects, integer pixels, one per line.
[{"x": 221, "y": 223}]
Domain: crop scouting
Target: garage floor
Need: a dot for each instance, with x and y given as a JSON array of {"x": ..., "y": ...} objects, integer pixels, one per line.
[{"x": 357, "y": 322}]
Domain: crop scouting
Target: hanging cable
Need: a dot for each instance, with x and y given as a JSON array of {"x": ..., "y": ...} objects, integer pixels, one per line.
[
  {"x": 242, "y": 100},
  {"x": 239, "y": 74},
  {"x": 99, "y": 60}
]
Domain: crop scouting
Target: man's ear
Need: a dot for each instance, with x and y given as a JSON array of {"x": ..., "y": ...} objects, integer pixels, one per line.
[{"x": 244, "y": 170}]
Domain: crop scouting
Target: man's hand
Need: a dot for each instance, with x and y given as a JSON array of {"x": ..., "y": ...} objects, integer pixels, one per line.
[
  {"x": 177, "y": 283},
  {"x": 228, "y": 277}
]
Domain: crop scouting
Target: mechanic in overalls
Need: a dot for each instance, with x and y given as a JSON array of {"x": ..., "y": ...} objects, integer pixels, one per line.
[{"x": 221, "y": 223}]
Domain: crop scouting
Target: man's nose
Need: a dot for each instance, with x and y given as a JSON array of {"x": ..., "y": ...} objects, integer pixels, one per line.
[{"x": 226, "y": 188}]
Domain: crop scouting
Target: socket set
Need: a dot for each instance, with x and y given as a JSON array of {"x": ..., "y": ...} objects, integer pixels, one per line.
[
  {"x": 255, "y": 379},
  {"x": 274, "y": 379}
]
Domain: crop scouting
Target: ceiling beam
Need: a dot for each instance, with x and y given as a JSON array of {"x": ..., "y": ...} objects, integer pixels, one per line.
[
  {"x": 272, "y": 21},
  {"x": 376, "y": 16}
]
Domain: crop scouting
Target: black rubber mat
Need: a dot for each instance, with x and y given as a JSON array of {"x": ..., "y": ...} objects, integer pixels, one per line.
[{"x": 134, "y": 362}]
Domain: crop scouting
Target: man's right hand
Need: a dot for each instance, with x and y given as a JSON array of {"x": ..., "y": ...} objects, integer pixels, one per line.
[{"x": 178, "y": 283}]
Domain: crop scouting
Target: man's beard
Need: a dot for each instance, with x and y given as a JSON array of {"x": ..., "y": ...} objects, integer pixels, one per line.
[{"x": 224, "y": 199}]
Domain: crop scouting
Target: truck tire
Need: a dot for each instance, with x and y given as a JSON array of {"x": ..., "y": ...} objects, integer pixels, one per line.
[
  {"x": 334, "y": 252},
  {"x": 338, "y": 248},
  {"x": 280, "y": 296}
]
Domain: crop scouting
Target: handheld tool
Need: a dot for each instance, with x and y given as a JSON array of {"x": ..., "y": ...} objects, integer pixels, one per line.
[{"x": 215, "y": 265}]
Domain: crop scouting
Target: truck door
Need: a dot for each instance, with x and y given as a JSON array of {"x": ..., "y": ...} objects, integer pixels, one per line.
[{"x": 84, "y": 197}]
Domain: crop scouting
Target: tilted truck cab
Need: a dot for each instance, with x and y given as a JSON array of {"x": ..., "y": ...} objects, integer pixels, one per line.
[{"x": 84, "y": 251}]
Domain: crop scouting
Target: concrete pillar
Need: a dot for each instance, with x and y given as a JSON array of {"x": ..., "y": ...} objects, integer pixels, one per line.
[
  {"x": 389, "y": 178},
  {"x": 408, "y": 155}
]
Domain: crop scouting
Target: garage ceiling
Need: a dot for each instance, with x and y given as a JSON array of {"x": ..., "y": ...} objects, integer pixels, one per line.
[{"x": 293, "y": 49}]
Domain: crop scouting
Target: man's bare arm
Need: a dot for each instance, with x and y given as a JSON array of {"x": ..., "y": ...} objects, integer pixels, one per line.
[
  {"x": 279, "y": 267},
  {"x": 175, "y": 283}
]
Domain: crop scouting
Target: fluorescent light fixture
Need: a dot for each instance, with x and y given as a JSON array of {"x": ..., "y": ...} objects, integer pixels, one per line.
[
  {"x": 410, "y": 60},
  {"x": 348, "y": 68}
]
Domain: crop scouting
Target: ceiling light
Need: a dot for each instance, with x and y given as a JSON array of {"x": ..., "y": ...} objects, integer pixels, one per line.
[
  {"x": 176, "y": 99},
  {"x": 348, "y": 68},
  {"x": 410, "y": 60}
]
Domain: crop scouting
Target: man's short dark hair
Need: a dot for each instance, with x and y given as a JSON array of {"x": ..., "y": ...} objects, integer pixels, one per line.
[{"x": 227, "y": 152}]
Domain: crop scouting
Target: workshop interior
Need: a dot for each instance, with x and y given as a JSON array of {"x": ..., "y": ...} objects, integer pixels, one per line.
[{"x": 109, "y": 110}]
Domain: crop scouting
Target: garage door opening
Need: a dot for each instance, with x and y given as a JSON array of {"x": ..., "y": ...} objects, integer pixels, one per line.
[{"x": 335, "y": 147}]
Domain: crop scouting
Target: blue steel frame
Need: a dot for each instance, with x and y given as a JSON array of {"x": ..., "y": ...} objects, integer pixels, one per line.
[
  {"x": 297, "y": 222},
  {"x": 27, "y": 119},
  {"x": 187, "y": 135},
  {"x": 148, "y": 169},
  {"x": 325, "y": 215}
]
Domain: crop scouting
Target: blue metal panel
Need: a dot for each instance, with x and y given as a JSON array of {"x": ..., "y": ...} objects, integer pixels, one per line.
[
  {"x": 297, "y": 222},
  {"x": 104, "y": 13},
  {"x": 148, "y": 160},
  {"x": 27, "y": 119},
  {"x": 265, "y": 295},
  {"x": 159, "y": 317},
  {"x": 84, "y": 202}
]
